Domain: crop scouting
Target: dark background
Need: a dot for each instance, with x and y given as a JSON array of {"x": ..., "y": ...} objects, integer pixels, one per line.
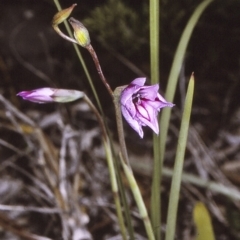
[{"x": 32, "y": 55}]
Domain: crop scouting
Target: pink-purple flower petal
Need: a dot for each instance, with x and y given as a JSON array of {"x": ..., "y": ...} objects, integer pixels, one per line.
[
  {"x": 132, "y": 122},
  {"x": 139, "y": 81},
  {"x": 140, "y": 105}
]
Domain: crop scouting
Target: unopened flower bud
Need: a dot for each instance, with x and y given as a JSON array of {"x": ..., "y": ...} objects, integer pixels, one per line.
[
  {"x": 47, "y": 95},
  {"x": 62, "y": 15},
  {"x": 80, "y": 32}
]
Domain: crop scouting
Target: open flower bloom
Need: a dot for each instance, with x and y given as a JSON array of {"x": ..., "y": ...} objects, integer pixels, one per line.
[
  {"x": 46, "y": 95},
  {"x": 140, "y": 105}
]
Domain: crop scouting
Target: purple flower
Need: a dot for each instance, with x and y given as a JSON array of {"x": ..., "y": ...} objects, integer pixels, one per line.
[
  {"x": 46, "y": 95},
  {"x": 140, "y": 105}
]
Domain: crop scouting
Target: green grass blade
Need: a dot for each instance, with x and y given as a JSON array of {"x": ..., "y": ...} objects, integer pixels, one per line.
[
  {"x": 175, "y": 71},
  {"x": 178, "y": 166}
]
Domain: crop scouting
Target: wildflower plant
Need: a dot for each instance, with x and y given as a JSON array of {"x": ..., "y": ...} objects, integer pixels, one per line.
[{"x": 140, "y": 105}]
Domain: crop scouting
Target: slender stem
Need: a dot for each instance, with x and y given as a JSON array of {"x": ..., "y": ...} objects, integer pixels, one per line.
[
  {"x": 111, "y": 168},
  {"x": 114, "y": 186},
  {"x": 99, "y": 69},
  {"x": 99, "y": 117},
  {"x": 124, "y": 154},
  {"x": 121, "y": 137},
  {"x": 139, "y": 200},
  {"x": 157, "y": 169},
  {"x": 127, "y": 212},
  {"x": 155, "y": 188},
  {"x": 154, "y": 40}
]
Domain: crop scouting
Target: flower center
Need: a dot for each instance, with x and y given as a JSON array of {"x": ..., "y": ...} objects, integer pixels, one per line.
[{"x": 136, "y": 98}]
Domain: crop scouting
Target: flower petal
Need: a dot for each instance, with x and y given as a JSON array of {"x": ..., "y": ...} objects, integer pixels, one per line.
[
  {"x": 130, "y": 106},
  {"x": 41, "y": 95},
  {"x": 132, "y": 122},
  {"x": 128, "y": 92},
  {"x": 139, "y": 81},
  {"x": 149, "y": 92},
  {"x": 151, "y": 119},
  {"x": 141, "y": 110}
]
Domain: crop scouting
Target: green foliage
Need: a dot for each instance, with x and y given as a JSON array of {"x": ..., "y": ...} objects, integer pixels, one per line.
[
  {"x": 178, "y": 165},
  {"x": 118, "y": 26}
]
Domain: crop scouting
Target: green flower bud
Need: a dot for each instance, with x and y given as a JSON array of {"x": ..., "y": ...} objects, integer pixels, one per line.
[
  {"x": 80, "y": 32},
  {"x": 62, "y": 15}
]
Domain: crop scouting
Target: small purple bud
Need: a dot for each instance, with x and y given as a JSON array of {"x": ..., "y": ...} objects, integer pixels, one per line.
[
  {"x": 141, "y": 104},
  {"x": 47, "y": 95}
]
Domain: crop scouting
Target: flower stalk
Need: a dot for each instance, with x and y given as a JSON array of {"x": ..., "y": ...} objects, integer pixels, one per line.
[
  {"x": 99, "y": 69},
  {"x": 139, "y": 200},
  {"x": 112, "y": 173},
  {"x": 114, "y": 186},
  {"x": 82, "y": 38},
  {"x": 154, "y": 26},
  {"x": 121, "y": 137}
]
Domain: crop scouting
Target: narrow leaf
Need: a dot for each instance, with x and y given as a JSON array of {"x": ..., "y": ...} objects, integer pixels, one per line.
[{"x": 178, "y": 166}]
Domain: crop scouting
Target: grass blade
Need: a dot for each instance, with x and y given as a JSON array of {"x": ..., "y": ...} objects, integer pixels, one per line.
[
  {"x": 178, "y": 166},
  {"x": 175, "y": 71}
]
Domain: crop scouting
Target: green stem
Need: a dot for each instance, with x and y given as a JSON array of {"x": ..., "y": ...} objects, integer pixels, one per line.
[
  {"x": 126, "y": 208},
  {"x": 99, "y": 117},
  {"x": 112, "y": 173},
  {"x": 123, "y": 148},
  {"x": 154, "y": 40},
  {"x": 178, "y": 166},
  {"x": 155, "y": 189},
  {"x": 157, "y": 169},
  {"x": 114, "y": 186},
  {"x": 139, "y": 200},
  {"x": 121, "y": 137}
]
